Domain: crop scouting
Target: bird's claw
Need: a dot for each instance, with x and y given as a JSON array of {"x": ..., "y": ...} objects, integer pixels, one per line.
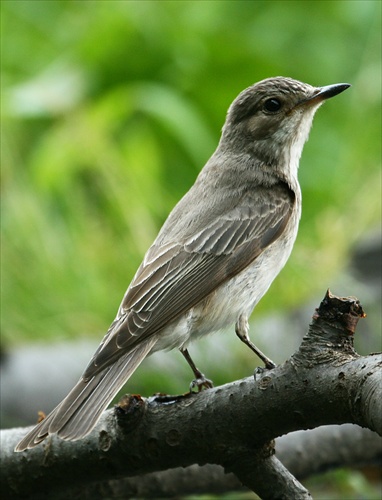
[
  {"x": 269, "y": 364},
  {"x": 201, "y": 383},
  {"x": 260, "y": 370}
]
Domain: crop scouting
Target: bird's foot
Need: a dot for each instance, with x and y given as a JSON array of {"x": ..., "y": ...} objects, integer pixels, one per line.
[
  {"x": 269, "y": 364},
  {"x": 201, "y": 382},
  {"x": 259, "y": 371}
]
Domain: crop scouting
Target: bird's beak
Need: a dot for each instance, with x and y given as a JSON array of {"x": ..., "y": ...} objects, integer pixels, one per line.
[
  {"x": 326, "y": 92},
  {"x": 331, "y": 91}
]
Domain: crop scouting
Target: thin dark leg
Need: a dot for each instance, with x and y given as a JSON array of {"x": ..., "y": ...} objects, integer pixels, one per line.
[
  {"x": 241, "y": 329},
  {"x": 200, "y": 380}
]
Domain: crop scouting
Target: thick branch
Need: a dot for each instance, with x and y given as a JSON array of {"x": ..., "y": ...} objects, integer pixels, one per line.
[
  {"x": 264, "y": 473},
  {"x": 192, "y": 430},
  {"x": 324, "y": 382},
  {"x": 303, "y": 453}
]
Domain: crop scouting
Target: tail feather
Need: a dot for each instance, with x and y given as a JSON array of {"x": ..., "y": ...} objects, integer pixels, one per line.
[{"x": 79, "y": 412}]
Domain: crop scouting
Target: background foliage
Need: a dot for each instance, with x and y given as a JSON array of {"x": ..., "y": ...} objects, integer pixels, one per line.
[{"x": 111, "y": 108}]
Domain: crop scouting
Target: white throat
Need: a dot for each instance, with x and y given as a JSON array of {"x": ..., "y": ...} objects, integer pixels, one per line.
[{"x": 293, "y": 156}]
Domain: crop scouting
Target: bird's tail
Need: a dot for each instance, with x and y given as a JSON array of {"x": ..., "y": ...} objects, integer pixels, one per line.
[{"x": 79, "y": 412}]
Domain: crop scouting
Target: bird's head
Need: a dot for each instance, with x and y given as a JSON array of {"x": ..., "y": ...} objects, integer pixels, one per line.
[{"x": 272, "y": 119}]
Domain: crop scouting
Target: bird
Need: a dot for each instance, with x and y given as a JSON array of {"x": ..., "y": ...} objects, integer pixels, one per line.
[{"x": 214, "y": 257}]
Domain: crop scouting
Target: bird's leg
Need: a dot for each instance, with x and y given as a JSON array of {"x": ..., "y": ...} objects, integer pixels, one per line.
[
  {"x": 200, "y": 380},
  {"x": 241, "y": 329}
]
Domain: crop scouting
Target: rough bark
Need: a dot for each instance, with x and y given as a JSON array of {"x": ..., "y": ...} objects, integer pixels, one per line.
[{"x": 324, "y": 382}]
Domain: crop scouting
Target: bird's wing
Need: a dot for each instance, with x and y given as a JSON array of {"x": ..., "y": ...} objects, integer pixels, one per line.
[{"x": 176, "y": 276}]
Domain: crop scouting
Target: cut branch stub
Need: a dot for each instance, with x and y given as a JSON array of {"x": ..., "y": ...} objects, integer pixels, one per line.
[
  {"x": 346, "y": 311},
  {"x": 331, "y": 332},
  {"x": 129, "y": 411}
]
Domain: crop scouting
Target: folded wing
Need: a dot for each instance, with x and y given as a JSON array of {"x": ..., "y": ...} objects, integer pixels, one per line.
[{"x": 174, "y": 277}]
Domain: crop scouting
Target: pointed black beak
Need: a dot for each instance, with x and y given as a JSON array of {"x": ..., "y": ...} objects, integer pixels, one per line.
[
  {"x": 323, "y": 93},
  {"x": 326, "y": 92},
  {"x": 331, "y": 90}
]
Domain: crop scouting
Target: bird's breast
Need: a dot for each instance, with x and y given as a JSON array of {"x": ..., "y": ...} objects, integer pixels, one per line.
[{"x": 238, "y": 295}]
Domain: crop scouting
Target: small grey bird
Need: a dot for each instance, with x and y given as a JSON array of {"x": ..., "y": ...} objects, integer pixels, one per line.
[{"x": 215, "y": 256}]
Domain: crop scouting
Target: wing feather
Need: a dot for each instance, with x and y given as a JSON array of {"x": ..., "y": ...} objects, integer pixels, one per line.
[{"x": 174, "y": 277}]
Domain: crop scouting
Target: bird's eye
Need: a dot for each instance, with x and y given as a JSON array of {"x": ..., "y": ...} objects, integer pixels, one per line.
[{"x": 272, "y": 105}]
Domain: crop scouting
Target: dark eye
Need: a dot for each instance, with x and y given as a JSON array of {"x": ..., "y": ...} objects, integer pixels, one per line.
[{"x": 272, "y": 105}]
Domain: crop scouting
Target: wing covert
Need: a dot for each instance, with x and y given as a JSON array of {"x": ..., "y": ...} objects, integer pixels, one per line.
[{"x": 176, "y": 276}]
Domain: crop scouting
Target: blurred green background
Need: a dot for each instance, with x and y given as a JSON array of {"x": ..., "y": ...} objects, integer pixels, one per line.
[
  {"x": 111, "y": 108},
  {"x": 109, "y": 111}
]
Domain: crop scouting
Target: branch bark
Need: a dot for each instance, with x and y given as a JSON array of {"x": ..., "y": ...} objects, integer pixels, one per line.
[{"x": 324, "y": 382}]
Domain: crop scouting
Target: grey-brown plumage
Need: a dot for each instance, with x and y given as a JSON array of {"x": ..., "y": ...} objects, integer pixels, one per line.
[{"x": 215, "y": 256}]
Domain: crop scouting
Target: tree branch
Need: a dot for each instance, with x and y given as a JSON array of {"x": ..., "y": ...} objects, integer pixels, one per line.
[{"x": 324, "y": 382}]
